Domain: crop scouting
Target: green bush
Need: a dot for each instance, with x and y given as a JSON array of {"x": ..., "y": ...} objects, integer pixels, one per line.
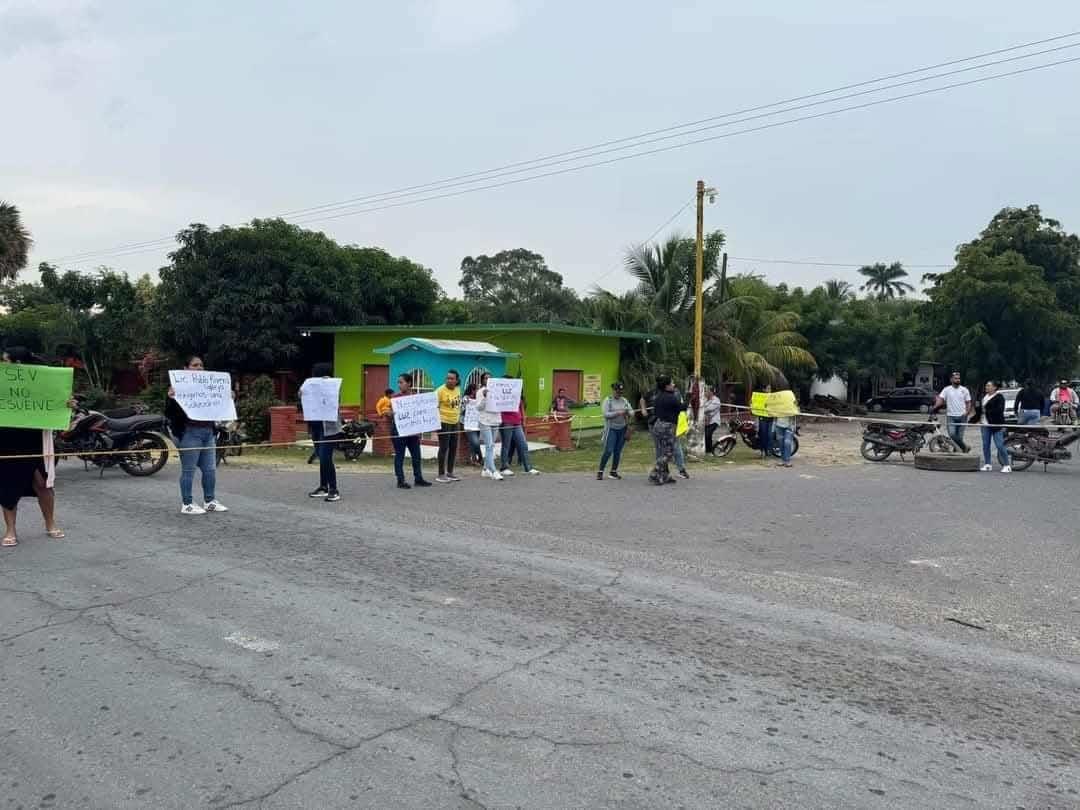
[
  {"x": 96, "y": 399},
  {"x": 253, "y": 409},
  {"x": 154, "y": 396}
]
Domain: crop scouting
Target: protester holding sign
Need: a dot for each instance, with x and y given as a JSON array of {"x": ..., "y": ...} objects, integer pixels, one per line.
[
  {"x": 319, "y": 398},
  {"x": 449, "y": 397},
  {"x": 513, "y": 436},
  {"x": 403, "y": 417},
  {"x": 31, "y": 403},
  {"x": 196, "y": 399},
  {"x": 489, "y": 420},
  {"x": 470, "y": 420}
]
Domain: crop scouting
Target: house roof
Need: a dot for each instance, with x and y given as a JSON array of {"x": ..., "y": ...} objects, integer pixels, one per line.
[
  {"x": 470, "y": 347},
  {"x": 499, "y": 328}
]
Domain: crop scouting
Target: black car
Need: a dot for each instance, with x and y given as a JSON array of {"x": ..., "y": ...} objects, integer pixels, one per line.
[{"x": 903, "y": 399}]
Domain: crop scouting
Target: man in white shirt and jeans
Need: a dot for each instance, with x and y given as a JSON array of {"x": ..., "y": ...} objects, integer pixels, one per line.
[{"x": 958, "y": 409}]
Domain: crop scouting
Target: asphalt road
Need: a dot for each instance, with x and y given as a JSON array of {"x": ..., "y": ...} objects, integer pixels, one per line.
[{"x": 750, "y": 638}]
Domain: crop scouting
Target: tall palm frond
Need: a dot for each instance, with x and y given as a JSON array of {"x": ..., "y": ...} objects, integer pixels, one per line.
[
  {"x": 885, "y": 281},
  {"x": 15, "y": 242}
]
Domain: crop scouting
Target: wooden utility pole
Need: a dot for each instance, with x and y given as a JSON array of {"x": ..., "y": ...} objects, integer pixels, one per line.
[{"x": 699, "y": 264}]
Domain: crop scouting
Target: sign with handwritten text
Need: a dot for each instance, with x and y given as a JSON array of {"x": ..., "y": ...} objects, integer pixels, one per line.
[
  {"x": 416, "y": 413},
  {"x": 472, "y": 415},
  {"x": 319, "y": 399},
  {"x": 205, "y": 396},
  {"x": 35, "y": 396},
  {"x": 504, "y": 394}
]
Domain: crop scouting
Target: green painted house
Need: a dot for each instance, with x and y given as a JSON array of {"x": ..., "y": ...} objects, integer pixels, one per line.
[{"x": 552, "y": 356}]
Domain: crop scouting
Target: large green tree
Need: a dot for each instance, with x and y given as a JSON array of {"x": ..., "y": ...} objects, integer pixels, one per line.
[
  {"x": 15, "y": 242},
  {"x": 885, "y": 281},
  {"x": 516, "y": 286},
  {"x": 239, "y": 296}
]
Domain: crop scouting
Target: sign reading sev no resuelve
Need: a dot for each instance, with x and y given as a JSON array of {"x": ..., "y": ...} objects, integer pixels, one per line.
[{"x": 35, "y": 396}]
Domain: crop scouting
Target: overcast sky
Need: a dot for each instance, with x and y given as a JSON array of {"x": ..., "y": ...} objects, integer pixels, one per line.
[{"x": 124, "y": 121}]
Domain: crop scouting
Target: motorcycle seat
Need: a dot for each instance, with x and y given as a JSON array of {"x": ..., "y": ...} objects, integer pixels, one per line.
[
  {"x": 131, "y": 423},
  {"x": 884, "y": 426}
]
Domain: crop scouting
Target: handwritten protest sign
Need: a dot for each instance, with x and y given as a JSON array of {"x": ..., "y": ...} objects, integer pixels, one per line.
[
  {"x": 416, "y": 413},
  {"x": 205, "y": 396},
  {"x": 504, "y": 394},
  {"x": 35, "y": 396},
  {"x": 319, "y": 398},
  {"x": 472, "y": 416}
]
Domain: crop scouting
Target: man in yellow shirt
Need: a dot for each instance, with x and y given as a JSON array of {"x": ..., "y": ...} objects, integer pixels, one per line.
[
  {"x": 383, "y": 406},
  {"x": 449, "y": 396}
]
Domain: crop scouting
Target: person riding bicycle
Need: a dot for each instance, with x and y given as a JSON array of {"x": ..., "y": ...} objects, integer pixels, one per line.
[{"x": 1063, "y": 396}]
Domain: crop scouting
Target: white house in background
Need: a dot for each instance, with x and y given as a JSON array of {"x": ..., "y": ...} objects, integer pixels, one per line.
[
  {"x": 834, "y": 386},
  {"x": 928, "y": 374}
]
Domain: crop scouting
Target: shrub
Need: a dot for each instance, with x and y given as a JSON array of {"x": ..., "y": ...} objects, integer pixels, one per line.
[
  {"x": 253, "y": 409},
  {"x": 96, "y": 399},
  {"x": 154, "y": 395}
]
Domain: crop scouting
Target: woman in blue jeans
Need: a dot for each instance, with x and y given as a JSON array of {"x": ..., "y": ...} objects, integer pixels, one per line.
[
  {"x": 321, "y": 435},
  {"x": 195, "y": 441}
]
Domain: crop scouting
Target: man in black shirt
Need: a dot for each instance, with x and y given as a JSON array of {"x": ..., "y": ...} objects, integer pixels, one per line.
[
  {"x": 1028, "y": 405},
  {"x": 666, "y": 408}
]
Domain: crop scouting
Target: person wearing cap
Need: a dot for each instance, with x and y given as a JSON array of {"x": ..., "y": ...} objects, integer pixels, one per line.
[
  {"x": 1063, "y": 397},
  {"x": 616, "y": 409}
]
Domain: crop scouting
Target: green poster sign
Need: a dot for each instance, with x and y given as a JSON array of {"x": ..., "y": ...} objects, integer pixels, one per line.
[{"x": 35, "y": 396}]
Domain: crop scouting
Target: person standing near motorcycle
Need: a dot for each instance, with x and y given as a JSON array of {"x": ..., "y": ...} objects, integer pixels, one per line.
[
  {"x": 1063, "y": 397},
  {"x": 449, "y": 396},
  {"x": 958, "y": 409},
  {"x": 666, "y": 409},
  {"x": 195, "y": 442},
  {"x": 616, "y": 410},
  {"x": 711, "y": 416},
  {"x": 993, "y": 427},
  {"x": 27, "y": 477},
  {"x": 321, "y": 433},
  {"x": 1028, "y": 405}
]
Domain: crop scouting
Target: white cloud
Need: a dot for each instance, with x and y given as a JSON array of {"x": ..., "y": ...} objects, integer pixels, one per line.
[{"x": 454, "y": 23}]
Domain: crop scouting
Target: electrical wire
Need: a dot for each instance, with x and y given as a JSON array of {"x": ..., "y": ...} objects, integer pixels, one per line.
[
  {"x": 830, "y": 264},
  {"x": 140, "y": 247}
]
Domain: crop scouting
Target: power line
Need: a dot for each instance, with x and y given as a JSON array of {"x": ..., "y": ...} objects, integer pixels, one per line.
[
  {"x": 646, "y": 240},
  {"x": 125, "y": 250}
]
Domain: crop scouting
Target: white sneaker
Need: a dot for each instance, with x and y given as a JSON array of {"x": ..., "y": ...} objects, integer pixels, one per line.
[
  {"x": 192, "y": 509},
  {"x": 986, "y": 468},
  {"x": 1006, "y": 469},
  {"x": 442, "y": 479},
  {"x": 507, "y": 471},
  {"x": 534, "y": 471},
  {"x": 497, "y": 476},
  {"x": 486, "y": 473},
  {"x": 215, "y": 506}
]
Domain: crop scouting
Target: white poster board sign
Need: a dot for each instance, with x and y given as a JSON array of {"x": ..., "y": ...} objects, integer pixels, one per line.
[
  {"x": 504, "y": 394},
  {"x": 205, "y": 396},
  {"x": 416, "y": 413},
  {"x": 472, "y": 416},
  {"x": 319, "y": 398}
]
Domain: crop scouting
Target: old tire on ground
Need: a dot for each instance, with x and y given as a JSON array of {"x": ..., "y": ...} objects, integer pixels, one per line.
[{"x": 947, "y": 462}]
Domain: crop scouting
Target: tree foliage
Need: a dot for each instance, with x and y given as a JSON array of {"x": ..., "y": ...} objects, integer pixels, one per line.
[
  {"x": 15, "y": 242},
  {"x": 885, "y": 281},
  {"x": 516, "y": 286},
  {"x": 239, "y": 296}
]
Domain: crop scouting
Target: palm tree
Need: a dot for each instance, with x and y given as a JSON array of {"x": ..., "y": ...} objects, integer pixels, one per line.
[
  {"x": 837, "y": 290},
  {"x": 752, "y": 344},
  {"x": 884, "y": 281},
  {"x": 15, "y": 242},
  {"x": 665, "y": 272}
]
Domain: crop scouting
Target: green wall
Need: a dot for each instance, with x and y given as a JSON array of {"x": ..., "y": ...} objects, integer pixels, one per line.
[{"x": 541, "y": 353}]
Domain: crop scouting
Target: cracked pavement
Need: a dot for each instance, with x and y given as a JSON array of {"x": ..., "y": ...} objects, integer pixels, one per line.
[{"x": 749, "y": 638}]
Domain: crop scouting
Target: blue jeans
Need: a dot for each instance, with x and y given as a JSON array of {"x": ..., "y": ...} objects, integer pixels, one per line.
[
  {"x": 783, "y": 436},
  {"x": 998, "y": 438},
  {"x": 765, "y": 431},
  {"x": 515, "y": 435},
  {"x": 412, "y": 444},
  {"x": 325, "y": 452},
  {"x": 487, "y": 434},
  {"x": 474, "y": 444},
  {"x": 1030, "y": 416},
  {"x": 613, "y": 447},
  {"x": 956, "y": 430},
  {"x": 679, "y": 454},
  {"x": 204, "y": 458}
]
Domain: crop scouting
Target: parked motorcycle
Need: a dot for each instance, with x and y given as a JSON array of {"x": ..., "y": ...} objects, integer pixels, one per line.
[
  {"x": 351, "y": 441},
  {"x": 747, "y": 430},
  {"x": 1047, "y": 447},
  {"x": 135, "y": 444},
  {"x": 228, "y": 436},
  {"x": 723, "y": 445},
  {"x": 882, "y": 439},
  {"x": 1065, "y": 414}
]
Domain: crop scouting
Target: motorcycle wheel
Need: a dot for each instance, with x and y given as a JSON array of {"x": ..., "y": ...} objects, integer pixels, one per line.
[
  {"x": 145, "y": 456},
  {"x": 778, "y": 452},
  {"x": 1020, "y": 454},
  {"x": 353, "y": 452},
  {"x": 872, "y": 451},
  {"x": 942, "y": 444},
  {"x": 724, "y": 446}
]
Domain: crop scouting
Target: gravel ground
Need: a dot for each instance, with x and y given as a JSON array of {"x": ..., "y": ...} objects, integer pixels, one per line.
[{"x": 753, "y": 637}]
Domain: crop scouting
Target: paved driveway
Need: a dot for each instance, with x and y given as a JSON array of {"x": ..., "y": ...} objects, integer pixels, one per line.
[{"x": 751, "y": 638}]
